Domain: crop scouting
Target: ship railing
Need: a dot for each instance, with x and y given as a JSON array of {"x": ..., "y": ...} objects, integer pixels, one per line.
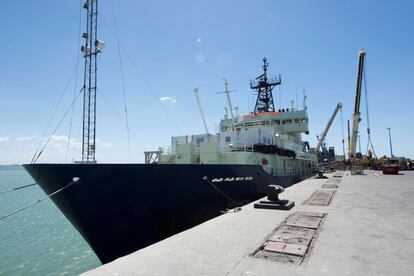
[{"x": 237, "y": 146}]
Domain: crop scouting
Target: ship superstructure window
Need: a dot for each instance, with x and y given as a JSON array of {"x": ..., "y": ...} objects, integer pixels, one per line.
[
  {"x": 199, "y": 140},
  {"x": 287, "y": 121},
  {"x": 227, "y": 139},
  {"x": 225, "y": 128},
  {"x": 259, "y": 123},
  {"x": 276, "y": 122},
  {"x": 297, "y": 121}
]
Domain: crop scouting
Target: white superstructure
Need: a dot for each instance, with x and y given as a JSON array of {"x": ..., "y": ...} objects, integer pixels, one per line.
[
  {"x": 270, "y": 139},
  {"x": 264, "y": 137}
]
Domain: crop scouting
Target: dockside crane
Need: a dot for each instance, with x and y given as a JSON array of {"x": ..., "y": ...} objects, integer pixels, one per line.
[
  {"x": 328, "y": 126},
  {"x": 357, "y": 115}
]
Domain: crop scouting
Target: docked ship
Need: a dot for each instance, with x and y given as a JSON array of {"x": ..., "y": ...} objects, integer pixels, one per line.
[{"x": 120, "y": 208}]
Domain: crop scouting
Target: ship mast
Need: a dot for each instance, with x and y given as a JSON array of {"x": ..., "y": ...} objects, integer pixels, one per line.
[
  {"x": 229, "y": 105},
  {"x": 264, "y": 87},
  {"x": 90, "y": 50}
]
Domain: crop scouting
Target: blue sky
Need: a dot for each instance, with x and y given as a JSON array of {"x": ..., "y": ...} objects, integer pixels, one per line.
[{"x": 169, "y": 47}]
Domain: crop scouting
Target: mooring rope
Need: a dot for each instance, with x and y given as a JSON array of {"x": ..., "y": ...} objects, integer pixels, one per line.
[
  {"x": 17, "y": 188},
  {"x": 218, "y": 190},
  {"x": 75, "y": 180}
]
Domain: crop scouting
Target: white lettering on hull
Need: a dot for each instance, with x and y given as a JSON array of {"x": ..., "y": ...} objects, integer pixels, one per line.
[{"x": 231, "y": 179}]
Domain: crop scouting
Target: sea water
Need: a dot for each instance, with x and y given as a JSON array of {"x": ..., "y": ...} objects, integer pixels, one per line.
[{"x": 38, "y": 240}]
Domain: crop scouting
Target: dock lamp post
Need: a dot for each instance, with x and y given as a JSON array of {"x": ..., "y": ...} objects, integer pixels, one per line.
[{"x": 389, "y": 134}]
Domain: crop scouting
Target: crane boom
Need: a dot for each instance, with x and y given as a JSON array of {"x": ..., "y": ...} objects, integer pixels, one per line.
[
  {"x": 328, "y": 126},
  {"x": 357, "y": 115},
  {"x": 196, "y": 90}
]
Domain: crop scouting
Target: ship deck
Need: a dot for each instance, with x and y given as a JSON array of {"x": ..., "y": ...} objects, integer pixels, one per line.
[{"x": 365, "y": 228}]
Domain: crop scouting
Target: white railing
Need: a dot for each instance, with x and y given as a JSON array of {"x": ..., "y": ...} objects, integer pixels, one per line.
[{"x": 237, "y": 146}]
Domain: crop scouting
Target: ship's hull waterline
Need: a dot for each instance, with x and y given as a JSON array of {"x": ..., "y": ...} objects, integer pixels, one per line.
[{"x": 120, "y": 208}]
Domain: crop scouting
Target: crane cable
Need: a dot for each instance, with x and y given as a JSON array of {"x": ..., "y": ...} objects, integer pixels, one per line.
[{"x": 369, "y": 143}]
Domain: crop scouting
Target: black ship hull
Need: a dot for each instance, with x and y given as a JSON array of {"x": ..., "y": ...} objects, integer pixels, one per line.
[{"x": 120, "y": 208}]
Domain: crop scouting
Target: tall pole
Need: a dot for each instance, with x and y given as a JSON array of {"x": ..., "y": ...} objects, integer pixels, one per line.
[
  {"x": 227, "y": 92},
  {"x": 229, "y": 105},
  {"x": 90, "y": 50},
  {"x": 389, "y": 134}
]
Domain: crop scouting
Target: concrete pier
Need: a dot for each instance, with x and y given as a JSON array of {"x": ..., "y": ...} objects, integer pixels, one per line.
[{"x": 354, "y": 225}]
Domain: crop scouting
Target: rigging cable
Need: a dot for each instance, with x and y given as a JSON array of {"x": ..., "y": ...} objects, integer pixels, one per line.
[
  {"x": 54, "y": 112},
  {"x": 154, "y": 94},
  {"x": 122, "y": 78},
  {"x": 75, "y": 180},
  {"x": 366, "y": 107},
  {"x": 120, "y": 118},
  {"x": 17, "y": 188},
  {"x": 76, "y": 80},
  {"x": 54, "y": 131}
]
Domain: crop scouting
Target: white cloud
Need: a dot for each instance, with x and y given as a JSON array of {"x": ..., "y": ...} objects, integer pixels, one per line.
[
  {"x": 170, "y": 99},
  {"x": 59, "y": 138},
  {"x": 61, "y": 142},
  {"x": 106, "y": 145},
  {"x": 4, "y": 139},
  {"x": 26, "y": 138}
]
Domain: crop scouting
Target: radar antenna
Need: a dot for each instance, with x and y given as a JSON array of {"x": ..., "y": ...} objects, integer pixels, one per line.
[
  {"x": 90, "y": 50},
  {"x": 264, "y": 87}
]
